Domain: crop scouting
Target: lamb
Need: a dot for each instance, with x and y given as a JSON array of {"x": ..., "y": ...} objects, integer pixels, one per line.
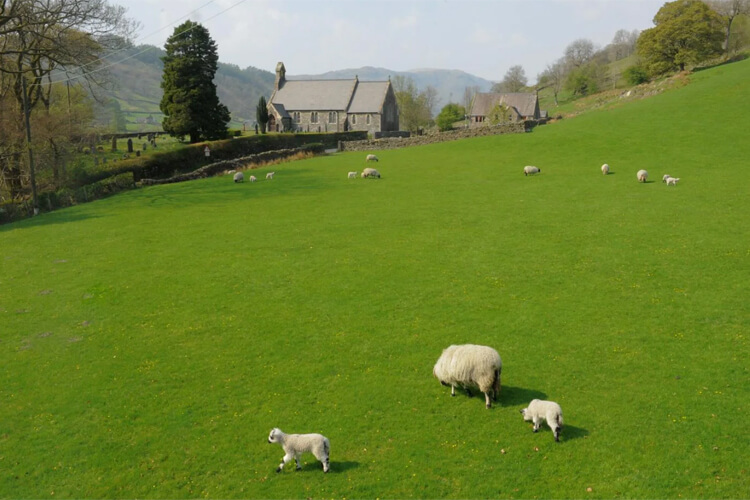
[
  {"x": 529, "y": 170},
  {"x": 642, "y": 176},
  {"x": 371, "y": 158},
  {"x": 549, "y": 411},
  {"x": 252, "y": 178},
  {"x": 295, "y": 445},
  {"x": 672, "y": 181},
  {"x": 269, "y": 175},
  {"x": 605, "y": 169},
  {"x": 666, "y": 176},
  {"x": 239, "y": 177},
  {"x": 470, "y": 365},
  {"x": 352, "y": 175},
  {"x": 370, "y": 172}
]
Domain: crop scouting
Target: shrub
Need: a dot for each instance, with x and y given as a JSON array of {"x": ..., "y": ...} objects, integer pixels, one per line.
[{"x": 635, "y": 75}]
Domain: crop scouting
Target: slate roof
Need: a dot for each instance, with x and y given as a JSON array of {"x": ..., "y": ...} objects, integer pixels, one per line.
[
  {"x": 524, "y": 103},
  {"x": 352, "y": 96}
]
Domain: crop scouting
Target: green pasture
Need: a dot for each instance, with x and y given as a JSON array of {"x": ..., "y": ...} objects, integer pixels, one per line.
[{"x": 150, "y": 341}]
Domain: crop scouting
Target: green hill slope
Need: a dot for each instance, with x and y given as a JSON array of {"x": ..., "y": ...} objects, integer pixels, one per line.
[{"x": 153, "y": 360}]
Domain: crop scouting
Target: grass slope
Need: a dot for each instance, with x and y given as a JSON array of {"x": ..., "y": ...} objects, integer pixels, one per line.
[{"x": 150, "y": 341}]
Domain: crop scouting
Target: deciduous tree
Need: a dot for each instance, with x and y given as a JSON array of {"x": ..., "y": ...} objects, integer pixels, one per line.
[
  {"x": 514, "y": 81},
  {"x": 729, "y": 10},
  {"x": 450, "y": 114}
]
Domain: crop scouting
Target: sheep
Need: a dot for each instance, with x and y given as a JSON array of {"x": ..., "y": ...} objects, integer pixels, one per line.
[
  {"x": 672, "y": 181},
  {"x": 295, "y": 445},
  {"x": 642, "y": 176},
  {"x": 352, "y": 175},
  {"x": 252, "y": 178},
  {"x": 370, "y": 172},
  {"x": 529, "y": 170},
  {"x": 371, "y": 158},
  {"x": 269, "y": 175},
  {"x": 666, "y": 176},
  {"x": 605, "y": 169},
  {"x": 470, "y": 365},
  {"x": 549, "y": 411},
  {"x": 239, "y": 177}
]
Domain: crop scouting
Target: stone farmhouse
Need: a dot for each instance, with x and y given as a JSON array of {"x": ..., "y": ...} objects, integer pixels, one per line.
[
  {"x": 519, "y": 106},
  {"x": 331, "y": 105}
]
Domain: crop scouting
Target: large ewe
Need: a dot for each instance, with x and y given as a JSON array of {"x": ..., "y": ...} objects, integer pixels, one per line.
[
  {"x": 371, "y": 158},
  {"x": 549, "y": 411},
  {"x": 605, "y": 169},
  {"x": 239, "y": 177},
  {"x": 295, "y": 445},
  {"x": 529, "y": 170},
  {"x": 468, "y": 366},
  {"x": 642, "y": 176},
  {"x": 370, "y": 172}
]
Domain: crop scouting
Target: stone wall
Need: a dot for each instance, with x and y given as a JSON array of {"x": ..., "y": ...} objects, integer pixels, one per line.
[{"x": 420, "y": 140}]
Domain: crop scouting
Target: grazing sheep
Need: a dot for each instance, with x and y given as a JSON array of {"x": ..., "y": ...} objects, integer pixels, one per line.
[
  {"x": 295, "y": 445},
  {"x": 672, "y": 181},
  {"x": 549, "y": 411},
  {"x": 352, "y": 175},
  {"x": 239, "y": 177},
  {"x": 529, "y": 170},
  {"x": 370, "y": 172},
  {"x": 269, "y": 175},
  {"x": 605, "y": 169},
  {"x": 252, "y": 178},
  {"x": 642, "y": 176},
  {"x": 666, "y": 176},
  {"x": 470, "y": 365},
  {"x": 371, "y": 158}
]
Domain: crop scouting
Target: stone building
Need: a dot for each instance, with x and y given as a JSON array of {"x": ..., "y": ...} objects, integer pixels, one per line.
[
  {"x": 516, "y": 107},
  {"x": 331, "y": 105}
]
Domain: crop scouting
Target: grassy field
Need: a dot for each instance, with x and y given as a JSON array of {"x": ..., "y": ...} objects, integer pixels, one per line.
[{"x": 150, "y": 341}]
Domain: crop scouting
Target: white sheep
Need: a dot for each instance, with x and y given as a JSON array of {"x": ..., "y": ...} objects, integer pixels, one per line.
[
  {"x": 529, "y": 170},
  {"x": 666, "y": 176},
  {"x": 370, "y": 172},
  {"x": 252, "y": 178},
  {"x": 672, "y": 181},
  {"x": 605, "y": 169},
  {"x": 352, "y": 175},
  {"x": 642, "y": 176},
  {"x": 371, "y": 158},
  {"x": 295, "y": 445},
  {"x": 269, "y": 175},
  {"x": 468, "y": 366},
  {"x": 239, "y": 177},
  {"x": 548, "y": 411}
]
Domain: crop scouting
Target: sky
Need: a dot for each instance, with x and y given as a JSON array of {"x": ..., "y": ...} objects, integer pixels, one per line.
[{"x": 481, "y": 37}]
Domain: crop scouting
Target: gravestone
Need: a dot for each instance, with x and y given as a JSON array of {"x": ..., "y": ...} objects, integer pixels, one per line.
[
  {"x": 114, "y": 143},
  {"x": 130, "y": 145},
  {"x": 138, "y": 153}
]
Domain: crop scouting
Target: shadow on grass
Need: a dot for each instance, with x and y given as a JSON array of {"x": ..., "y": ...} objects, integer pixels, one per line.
[
  {"x": 733, "y": 59},
  {"x": 46, "y": 219},
  {"x": 511, "y": 396},
  {"x": 317, "y": 467},
  {"x": 570, "y": 432}
]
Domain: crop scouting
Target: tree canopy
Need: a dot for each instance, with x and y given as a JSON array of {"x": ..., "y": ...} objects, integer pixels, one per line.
[
  {"x": 514, "y": 81},
  {"x": 686, "y": 32},
  {"x": 450, "y": 114},
  {"x": 190, "y": 103}
]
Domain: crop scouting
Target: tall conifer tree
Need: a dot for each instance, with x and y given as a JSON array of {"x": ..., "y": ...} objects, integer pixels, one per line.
[{"x": 190, "y": 104}]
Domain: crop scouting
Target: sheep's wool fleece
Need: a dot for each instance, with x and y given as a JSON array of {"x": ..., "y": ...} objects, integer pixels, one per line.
[
  {"x": 468, "y": 364},
  {"x": 549, "y": 410}
]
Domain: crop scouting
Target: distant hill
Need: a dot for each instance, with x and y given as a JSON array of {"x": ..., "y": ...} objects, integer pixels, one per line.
[
  {"x": 137, "y": 77},
  {"x": 450, "y": 84}
]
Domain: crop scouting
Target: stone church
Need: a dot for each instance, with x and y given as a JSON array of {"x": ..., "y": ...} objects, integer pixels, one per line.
[{"x": 331, "y": 105}]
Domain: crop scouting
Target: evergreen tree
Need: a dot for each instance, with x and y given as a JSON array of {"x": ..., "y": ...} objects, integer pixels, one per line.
[
  {"x": 190, "y": 104},
  {"x": 261, "y": 114}
]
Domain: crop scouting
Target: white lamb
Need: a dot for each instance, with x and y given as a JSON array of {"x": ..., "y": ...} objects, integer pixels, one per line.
[
  {"x": 370, "y": 172},
  {"x": 529, "y": 170},
  {"x": 371, "y": 158},
  {"x": 642, "y": 176},
  {"x": 239, "y": 177},
  {"x": 548, "y": 411},
  {"x": 295, "y": 445},
  {"x": 605, "y": 169},
  {"x": 252, "y": 178},
  {"x": 672, "y": 181},
  {"x": 269, "y": 175},
  {"x": 468, "y": 366},
  {"x": 352, "y": 175},
  {"x": 666, "y": 176}
]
